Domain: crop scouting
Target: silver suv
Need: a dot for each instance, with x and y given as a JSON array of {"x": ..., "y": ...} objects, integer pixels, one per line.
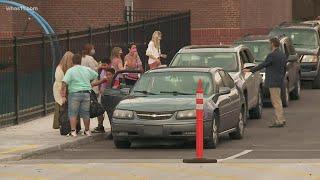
[{"x": 232, "y": 59}]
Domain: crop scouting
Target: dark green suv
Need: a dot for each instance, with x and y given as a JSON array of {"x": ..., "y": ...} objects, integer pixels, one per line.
[{"x": 305, "y": 38}]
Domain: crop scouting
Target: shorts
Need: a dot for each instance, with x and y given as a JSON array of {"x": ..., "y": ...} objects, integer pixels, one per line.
[{"x": 79, "y": 104}]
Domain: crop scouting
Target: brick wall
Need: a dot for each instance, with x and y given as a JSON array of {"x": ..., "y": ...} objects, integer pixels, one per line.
[
  {"x": 223, "y": 21},
  {"x": 74, "y": 15}
]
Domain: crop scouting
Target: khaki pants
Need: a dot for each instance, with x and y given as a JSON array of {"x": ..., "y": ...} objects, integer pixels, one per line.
[{"x": 275, "y": 95}]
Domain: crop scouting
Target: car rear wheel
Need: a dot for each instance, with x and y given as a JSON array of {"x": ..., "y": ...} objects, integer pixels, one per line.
[
  {"x": 285, "y": 95},
  {"x": 121, "y": 144},
  {"x": 256, "y": 112},
  {"x": 238, "y": 134},
  {"x": 295, "y": 95},
  {"x": 213, "y": 141}
]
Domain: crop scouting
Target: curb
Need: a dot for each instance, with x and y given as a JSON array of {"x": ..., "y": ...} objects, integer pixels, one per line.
[{"x": 79, "y": 141}]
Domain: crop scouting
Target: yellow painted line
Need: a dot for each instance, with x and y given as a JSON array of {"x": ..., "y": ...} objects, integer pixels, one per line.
[
  {"x": 271, "y": 169},
  {"x": 19, "y": 149},
  {"x": 190, "y": 171},
  {"x": 21, "y": 176},
  {"x": 92, "y": 171}
]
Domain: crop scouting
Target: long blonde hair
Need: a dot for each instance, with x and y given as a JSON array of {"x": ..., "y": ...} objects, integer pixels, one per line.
[
  {"x": 155, "y": 39},
  {"x": 115, "y": 52},
  {"x": 66, "y": 61}
]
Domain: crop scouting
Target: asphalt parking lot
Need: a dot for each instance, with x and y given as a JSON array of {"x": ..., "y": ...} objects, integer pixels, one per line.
[{"x": 298, "y": 140}]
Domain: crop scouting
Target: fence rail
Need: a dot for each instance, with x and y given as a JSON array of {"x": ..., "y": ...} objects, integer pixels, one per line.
[{"x": 26, "y": 63}]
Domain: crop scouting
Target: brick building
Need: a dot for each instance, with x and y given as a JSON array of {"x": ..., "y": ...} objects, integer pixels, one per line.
[{"x": 212, "y": 21}]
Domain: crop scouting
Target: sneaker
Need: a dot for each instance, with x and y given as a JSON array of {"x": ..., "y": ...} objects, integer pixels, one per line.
[
  {"x": 72, "y": 134},
  {"x": 99, "y": 129},
  {"x": 87, "y": 133}
]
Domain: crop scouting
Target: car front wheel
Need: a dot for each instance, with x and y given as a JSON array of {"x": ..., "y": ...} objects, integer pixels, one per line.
[
  {"x": 121, "y": 144},
  {"x": 238, "y": 134},
  {"x": 214, "y": 135}
]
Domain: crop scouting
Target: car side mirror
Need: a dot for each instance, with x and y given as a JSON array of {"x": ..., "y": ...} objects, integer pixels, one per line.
[
  {"x": 125, "y": 91},
  {"x": 224, "y": 90},
  {"x": 293, "y": 58},
  {"x": 249, "y": 65}
]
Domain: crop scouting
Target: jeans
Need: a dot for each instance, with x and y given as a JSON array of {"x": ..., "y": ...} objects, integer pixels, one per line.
[{"x": 79, "y": 104}]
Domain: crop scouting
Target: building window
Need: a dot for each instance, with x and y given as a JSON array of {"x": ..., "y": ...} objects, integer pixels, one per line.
[{"x": 128, "y": 10}]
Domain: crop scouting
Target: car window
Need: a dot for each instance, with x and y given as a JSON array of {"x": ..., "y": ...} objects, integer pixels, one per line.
[
  {"x": 218, "y": 81},
  {"x": 227, "y": 80},
  {"x": 286, "y": 50},
  {"x": 260, "y": 49},
  {"x": 226, "y": 60},
  {"x": 249, "y": 56}
]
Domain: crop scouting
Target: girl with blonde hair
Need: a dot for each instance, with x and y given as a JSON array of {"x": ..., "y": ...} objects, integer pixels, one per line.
[
  {"x": 154, "y": 51},
  {"x": 63, "y": 66},
  {"x": 116, "y": 61}
]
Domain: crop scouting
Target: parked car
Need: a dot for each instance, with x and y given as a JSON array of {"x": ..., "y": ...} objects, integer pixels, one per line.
[
  {"x": 305, "y": 38},
  {"x": 232, "y": 59},
  {"x": 260, "y": 46},
  {"x": 162, "y": 106}
]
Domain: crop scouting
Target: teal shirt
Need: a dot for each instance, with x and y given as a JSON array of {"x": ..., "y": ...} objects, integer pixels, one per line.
[{"x": 78, "y": 78}]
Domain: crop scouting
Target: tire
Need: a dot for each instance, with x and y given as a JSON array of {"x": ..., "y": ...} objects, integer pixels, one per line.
[
  {"x": 213, "y": 141},
  {"x": 121, "y": 144},
  {"x": 295, "y": 94},
  {"x": 285, "y": 95},
  {"x": 316, "y": 82},
  {"x": 238, "y": 134},
  {"x": 256, "y": 112}
]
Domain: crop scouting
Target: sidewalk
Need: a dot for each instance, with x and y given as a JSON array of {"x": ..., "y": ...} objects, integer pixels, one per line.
[{"x": 38, "y": 137}]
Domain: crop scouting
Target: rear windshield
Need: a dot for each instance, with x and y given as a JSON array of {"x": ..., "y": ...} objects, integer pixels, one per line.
[
  {"x": 301, "y": 38},
  {"x": 260, "y": 50},
  {"x": 226, "y": 60}
]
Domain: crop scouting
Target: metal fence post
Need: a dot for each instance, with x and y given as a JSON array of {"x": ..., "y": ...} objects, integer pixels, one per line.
[
  {"x": 16, "y": 88},
  {"x": 109, "y": 39},
  {"x": 128, "y": 33},
  {"x": 144, "y": 41},
  {"x": 43, "y": 74},
  {"x": 90, "y": 35},
  {"x": 68, "y": 40}
]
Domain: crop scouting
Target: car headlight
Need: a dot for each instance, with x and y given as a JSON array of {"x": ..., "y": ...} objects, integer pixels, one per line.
[
  {"x": 309, "y": 59},
  {"x": 188, "y": 114},
  {"x": 123, "y": 114}
]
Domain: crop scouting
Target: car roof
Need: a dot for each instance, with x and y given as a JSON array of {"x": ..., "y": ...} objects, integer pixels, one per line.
[
  {"x": 210, "y": 48},
  {"x": 302, "y": 25},
  {"x": 259, "y": 38},
  {"x": 184, "y": 69}
]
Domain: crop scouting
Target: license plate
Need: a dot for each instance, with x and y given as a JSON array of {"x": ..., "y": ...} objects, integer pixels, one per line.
[{"x": 152, "y": 130}]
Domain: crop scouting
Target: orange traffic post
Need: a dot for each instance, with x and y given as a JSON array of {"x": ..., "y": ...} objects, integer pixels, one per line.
[{"x": 199, "y": 129}]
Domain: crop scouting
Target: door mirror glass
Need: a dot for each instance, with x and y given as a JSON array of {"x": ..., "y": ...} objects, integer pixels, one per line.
[{"x": 224, "y": 90}]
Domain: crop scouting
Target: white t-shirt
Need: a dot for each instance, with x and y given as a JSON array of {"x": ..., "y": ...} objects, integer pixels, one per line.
[
  {"x": 152, "y": 51},
  {"x": 58, "y": 85},
  {"x": 91, "y": 63}
]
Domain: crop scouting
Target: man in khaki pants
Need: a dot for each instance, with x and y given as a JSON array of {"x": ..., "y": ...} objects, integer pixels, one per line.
[{"x": 275, "y": 65}]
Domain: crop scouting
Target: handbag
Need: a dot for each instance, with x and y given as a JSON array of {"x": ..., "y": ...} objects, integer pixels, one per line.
[{"x": 96, "y": 108}]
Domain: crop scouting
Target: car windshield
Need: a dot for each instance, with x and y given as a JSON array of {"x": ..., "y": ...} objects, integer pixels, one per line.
[
  {"x": 226, "y": 60},
  {"x": 260, "y": 50},
  {"x": 175, "y": 83},
  {"x": 301, "y": 38}
]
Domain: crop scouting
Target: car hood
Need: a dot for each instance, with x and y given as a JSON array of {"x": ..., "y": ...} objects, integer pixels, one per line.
[
  {"x": 303, "y": 51},
  {"x": 158, "y": 103}
]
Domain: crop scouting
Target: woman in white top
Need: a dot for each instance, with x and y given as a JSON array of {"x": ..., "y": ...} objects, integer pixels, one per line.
[
  {"x": 64, "y": 65},
  {"x": 154, "y": 51}
]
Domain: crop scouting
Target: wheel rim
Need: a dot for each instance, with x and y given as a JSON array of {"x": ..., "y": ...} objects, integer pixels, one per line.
[
  {"x": 260, "y": 103},
  {"x": 299, "y": 87},
  {"x": 215, "y": 132},
  {"x": 241, "y": 123},
  {"x": 287, "y": 95}
]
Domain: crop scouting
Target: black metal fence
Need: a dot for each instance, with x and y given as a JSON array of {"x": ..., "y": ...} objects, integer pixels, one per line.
[{"x": 26, "y": 63}]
